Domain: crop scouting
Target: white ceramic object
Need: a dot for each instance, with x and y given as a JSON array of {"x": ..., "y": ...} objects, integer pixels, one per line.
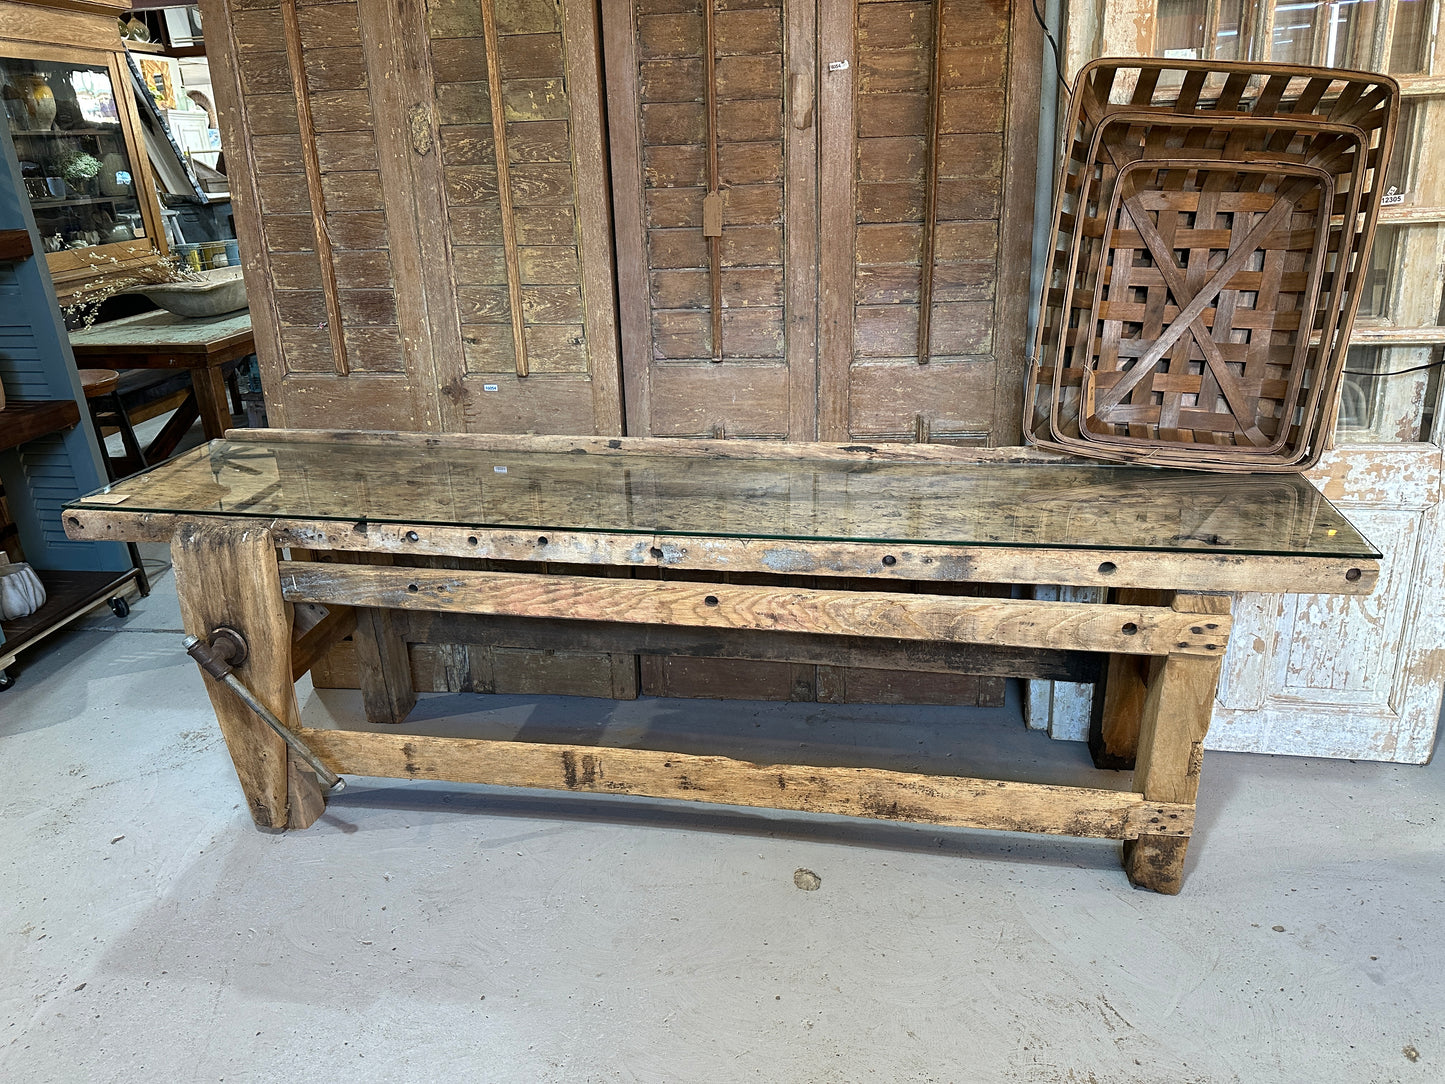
[
  {"x": 112, "y": 167},
  {"x": 21, "y": 592},
  {"x": 211, "y": 293}
]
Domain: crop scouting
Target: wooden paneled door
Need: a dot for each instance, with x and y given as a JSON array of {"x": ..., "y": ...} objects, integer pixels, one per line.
[
  {"x": 522, "y": 271},
  {"x": 795, "y": 181},
  {"x": 714, "y": 157},
  {"x": 420, "y": 194},
  {"x": 929, "y": 115}
]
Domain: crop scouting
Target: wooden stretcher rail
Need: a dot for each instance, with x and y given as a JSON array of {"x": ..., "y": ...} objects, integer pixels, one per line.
[
  {"x": 1185, "y": 571},
  {"x": 875, "y": 653},
  {"x": 1135, "y": 630},
  {"x": 856, "y": 792}
]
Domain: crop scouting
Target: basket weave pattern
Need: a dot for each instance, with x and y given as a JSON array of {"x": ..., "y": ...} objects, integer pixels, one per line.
[{"x": 1212, "y": 231}]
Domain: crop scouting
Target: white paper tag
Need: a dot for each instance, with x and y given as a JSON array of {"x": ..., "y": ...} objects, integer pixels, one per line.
[
  {"x": 489, "y": 387},
  {"x": 1392, "y": 198},
  {"x": 499, "y": 470}
]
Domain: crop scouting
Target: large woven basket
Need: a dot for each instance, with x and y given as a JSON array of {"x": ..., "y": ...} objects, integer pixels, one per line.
[{"x": 1211, "y": 236}]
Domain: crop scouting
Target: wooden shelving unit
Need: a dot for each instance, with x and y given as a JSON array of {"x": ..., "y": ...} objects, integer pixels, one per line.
[
  {"x": 46, "y": 455},
  {"x": 15, "y": 245},
  {"x": 69, "y": 595},
  {"x": 21, "y": 423}
]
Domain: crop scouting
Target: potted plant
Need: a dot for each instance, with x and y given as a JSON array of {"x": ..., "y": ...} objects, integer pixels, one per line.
[{"x": 80, "y": 170}]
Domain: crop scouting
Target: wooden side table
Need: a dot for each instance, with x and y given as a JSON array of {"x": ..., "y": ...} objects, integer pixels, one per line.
[
  {"x": 202, "y": 346},
  {"x": 845, "y": 552}
]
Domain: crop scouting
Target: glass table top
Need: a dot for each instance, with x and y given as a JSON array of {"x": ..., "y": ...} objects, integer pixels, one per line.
[{"x": 1043, "y": 505}]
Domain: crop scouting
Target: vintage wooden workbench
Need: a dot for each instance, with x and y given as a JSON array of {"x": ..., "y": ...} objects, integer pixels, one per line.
[{"x": 808, "y": 553}]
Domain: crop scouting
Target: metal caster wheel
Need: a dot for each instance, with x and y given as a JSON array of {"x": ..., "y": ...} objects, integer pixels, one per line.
[
  {"x": 118, "y": 606},
  {"x": 5, "y": 680}
]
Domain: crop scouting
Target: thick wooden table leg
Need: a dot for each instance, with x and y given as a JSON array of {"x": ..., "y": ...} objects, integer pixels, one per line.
[
  {"x": 382, "y": 660},
  {"x": 387, "y": 694},
  {"x": 1177, "y": 709},
  {"x": 1118, "y": 708},
  {"x": 1114, "y": 727},
  {"x": 212, "y": 400},
  {"x": 226, "y": 574}
]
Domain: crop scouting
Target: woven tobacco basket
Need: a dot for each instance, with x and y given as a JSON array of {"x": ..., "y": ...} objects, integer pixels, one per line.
[{"x": 1211, "y": 236}]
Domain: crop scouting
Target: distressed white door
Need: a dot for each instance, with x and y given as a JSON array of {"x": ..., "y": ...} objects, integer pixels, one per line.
[{"x": 1319, "y": 675}]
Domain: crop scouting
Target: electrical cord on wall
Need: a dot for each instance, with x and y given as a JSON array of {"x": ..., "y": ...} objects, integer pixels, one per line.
[
  {"x": 1058, "y": 59},
  {"x": 1397, "y": 372}
]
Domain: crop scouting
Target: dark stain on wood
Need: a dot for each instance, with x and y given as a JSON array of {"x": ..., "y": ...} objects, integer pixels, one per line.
[
  {"x": 584, "y": 778},
  {"x": 876, "y": 806}
]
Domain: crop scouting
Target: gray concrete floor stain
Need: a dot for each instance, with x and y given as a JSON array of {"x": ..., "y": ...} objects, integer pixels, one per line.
[{"x": 422, "y": 932}]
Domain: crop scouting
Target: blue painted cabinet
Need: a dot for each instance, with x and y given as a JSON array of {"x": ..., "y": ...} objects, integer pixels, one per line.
[{"x": 48, "y": 449}]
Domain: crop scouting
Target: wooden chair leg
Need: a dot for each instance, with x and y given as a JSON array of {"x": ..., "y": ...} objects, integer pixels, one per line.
[
  {"x": 226, "y": 574},
  {"x": 1175, "y": 719},
  {"x": 127, "y": 433}
]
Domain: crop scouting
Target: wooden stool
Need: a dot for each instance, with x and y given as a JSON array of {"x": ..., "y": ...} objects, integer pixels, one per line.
[{"x": 105, "y": 406}]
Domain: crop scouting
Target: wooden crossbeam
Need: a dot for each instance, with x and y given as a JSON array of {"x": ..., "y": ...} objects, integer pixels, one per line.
[
  {"x": 856, "y": 792},
  {"x": 1130, "y": 630},
  {"x": 1195, "y": 570}
]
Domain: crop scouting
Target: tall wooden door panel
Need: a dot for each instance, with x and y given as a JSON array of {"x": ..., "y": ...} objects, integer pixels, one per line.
[
  {"x": 400, "y": 279},
  {"x": 324, "y": 226},
  {"x": 713, "y": 157},
  {"x": 929, "y": 132},
  {"x": 521, "y": 274},
  {"x": 864, "y": 271}
]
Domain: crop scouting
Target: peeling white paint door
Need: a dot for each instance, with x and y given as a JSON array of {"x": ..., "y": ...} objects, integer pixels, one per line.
[
  {"x": 1337, "y": 676},
  {"x": 1319, "y": 675}
]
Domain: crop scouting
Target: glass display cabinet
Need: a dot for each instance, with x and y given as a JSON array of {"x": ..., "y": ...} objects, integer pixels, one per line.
[{"x": 70, "y": 114}]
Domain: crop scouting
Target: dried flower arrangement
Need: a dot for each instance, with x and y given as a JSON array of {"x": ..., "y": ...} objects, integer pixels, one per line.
[{"x": 86, "y": 299}]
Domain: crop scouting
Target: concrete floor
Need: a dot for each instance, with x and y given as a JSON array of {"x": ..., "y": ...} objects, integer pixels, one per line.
[{"x": 422, "y": 932}]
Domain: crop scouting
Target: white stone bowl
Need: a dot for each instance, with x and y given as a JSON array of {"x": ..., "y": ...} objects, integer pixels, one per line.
[{"x": 219, "y": 290}]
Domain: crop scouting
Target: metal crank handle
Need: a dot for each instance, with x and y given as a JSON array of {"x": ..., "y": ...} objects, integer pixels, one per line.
[{"x": 220, "y": 669}]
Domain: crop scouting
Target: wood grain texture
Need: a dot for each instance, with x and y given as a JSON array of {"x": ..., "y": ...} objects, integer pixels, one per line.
[
  {"x": 1055, "y": 625},
  {"x": 982, "y": 564},
  {"x": 310, "y": 155},
  {"x": 836, "y": 246},
  {"x": 1175, "y": 720},
  {"x": 987, "y": 660},
  {"x": 1016, "y": 224},
  {"x": 309, "y": 645},
  {"x": 386, "y": 689},
  {"x": 1114, "y": 726},
  {"x": 901, "y": 796},
  {"x": 396, "y": 259},
  {"x": 800, "y": 145},
  {"x": 629, "y": 174},
  {"x": 583, "y": 47},
  {"x": 226, "y": 575},
  {"x": 504, "y": 183},
  {"x": 227, "y": 84}
]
